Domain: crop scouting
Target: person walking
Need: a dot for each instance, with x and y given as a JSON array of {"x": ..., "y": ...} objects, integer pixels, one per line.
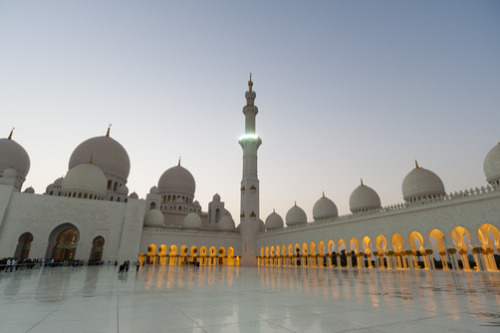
[{"x": 137, "y": 265}]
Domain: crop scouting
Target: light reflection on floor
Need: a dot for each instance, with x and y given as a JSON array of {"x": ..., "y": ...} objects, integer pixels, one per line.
[{"x": 240, "y": 299}]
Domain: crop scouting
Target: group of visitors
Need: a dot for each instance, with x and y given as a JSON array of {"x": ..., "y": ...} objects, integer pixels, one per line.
[{"x": 10, "y": 264}]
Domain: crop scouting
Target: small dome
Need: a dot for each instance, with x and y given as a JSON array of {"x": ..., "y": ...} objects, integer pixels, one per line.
[
  {"x": 296, "y": 215},
  {"x": 191, "y": 221},
  {"x": 107, "y": 154},
  {"x": 262, "y": 226},
  {"x": 133, "y": 195},
  {"x": 9, "y": 173},
  {"x": 324, "y": 208},
  {"x": 364, "y": 198},
  {"x": 216, "y": 198},
  {"x": 491, "y": 165},
  {"x": 13, "y": 155},
  {"x": 30, "y": 190},
  {"x": 226, "y": 223},
  {"x": 58, "y": 182},
  {"x": 154, "y": 218},
  {"x": 85, "y": 178},
  {"x": 153, "y": 190},
  {"x": 177, "y": 180},
  {"x": 422, "y": 183},
  {"x": 274, "y": 221}
]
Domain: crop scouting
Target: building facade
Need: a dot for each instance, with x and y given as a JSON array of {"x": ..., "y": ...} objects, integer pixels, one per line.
[{"x": 89, "y": 214}]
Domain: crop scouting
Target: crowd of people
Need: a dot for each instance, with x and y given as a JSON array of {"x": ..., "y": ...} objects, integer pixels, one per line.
[{"x": 13, "y": 264}]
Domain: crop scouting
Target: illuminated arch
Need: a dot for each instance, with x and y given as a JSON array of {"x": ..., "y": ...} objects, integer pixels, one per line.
[
  {"x": 193, "y": 255},
  {"x": 397, "y": 242},
  {"x": 489, "y": 236},
  {"x": 416, "y": 241},
  {"x": 203, "y": 255},
  {"x": 173, "y": 255},
  {"x": 366, "y": 243},
  {"x": 183, "y": 255},
  {"x": 381, "y": 245},
  {"x": 458, "y": 237},
  {"x": 97, "y": 250},
  {"x": 222, "y": 256},
  {"x": 212, "y": 254}
]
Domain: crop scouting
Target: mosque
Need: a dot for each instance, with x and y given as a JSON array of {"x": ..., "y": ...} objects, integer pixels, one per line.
[{"x": 89, "y": 214}]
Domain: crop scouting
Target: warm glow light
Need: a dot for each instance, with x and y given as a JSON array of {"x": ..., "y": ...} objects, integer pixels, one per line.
[{"x": 248, "y": 136}]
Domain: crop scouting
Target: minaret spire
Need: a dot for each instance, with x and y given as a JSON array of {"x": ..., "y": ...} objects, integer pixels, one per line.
[
  {"x": 11, "y": 131},
  {"x": 249, "y": 215},
  {"x": 109, "y": 128}
]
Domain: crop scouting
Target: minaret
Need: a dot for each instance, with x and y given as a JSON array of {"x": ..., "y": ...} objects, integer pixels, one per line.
[{"x": 249, "y": 213}]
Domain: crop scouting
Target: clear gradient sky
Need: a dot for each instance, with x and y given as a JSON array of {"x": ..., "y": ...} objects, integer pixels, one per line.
[{"x": 345, "y": 90}]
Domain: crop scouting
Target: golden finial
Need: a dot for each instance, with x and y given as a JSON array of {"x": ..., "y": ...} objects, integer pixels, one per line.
[
  {"x": 12, "y": 131},
  {"x": 323, "y": 194},
  {"x": 274, "y": 210},
  {"x": 416, "y": 165},
  {"x": 109, "y": 128},
  {"x": 295, "y": 203},
  {"x": 91, "y": 160},
  {"x": 250, "y": 83},
  {"x": 179, "y": 163},
  {"x": 362, "y": 182}
]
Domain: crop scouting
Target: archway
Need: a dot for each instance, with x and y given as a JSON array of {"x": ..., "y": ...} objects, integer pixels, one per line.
[
  {"x": 172, "y": 255},
  {"x": 203, "y": 255},
  {"x": 312, "y": 255},
  {"x": 230, "y": 256},
  {"x": 222, "y": 256},
  {"x": 97, "y": 249},
  {"x": 151, "y": 255},
  {"x": 262, "y": 257},
  {"x": 397, "y": 242},
  {"x": 461, "y": 239},
  {"x": 271, "y": 256},
  {"x": 323, "y": 262},
  {"x": 267, "y": 263},
  {"x": 419, "y": 256},
  {"x": 24, "y": 246},
  {"x": 162, "y": 255},
  {"x": 331, "y": 253},
  {"x": 193, "y": 256},
  {"x": 305, "y": 254},
  {"x": 342, "y": 248},
  {"x": 212, "y": 253},
  {"x": 353, "y": 255},
  {"x": 381, "y": 244},
  {"x": 366, "y": 242},
  {"x": 63, "y": 242},
  {"x": 436, "y": 239},
  {"x": 489, "y": 236}
]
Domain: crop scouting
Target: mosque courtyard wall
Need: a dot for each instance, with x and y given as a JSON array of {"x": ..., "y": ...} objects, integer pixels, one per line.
[{"x": 118, "y": 223}]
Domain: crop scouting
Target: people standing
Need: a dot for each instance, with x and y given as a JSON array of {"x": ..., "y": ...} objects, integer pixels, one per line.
[{"x": 137, "y": 265}]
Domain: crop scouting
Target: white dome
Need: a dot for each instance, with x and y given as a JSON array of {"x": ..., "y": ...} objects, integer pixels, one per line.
[
  {"x": 58, "y": 182},
  {"x": 296, "y": 215},
  {"x": 153, "y": 190},
  {"x": 13, "y": 155},
  {"x": 107, "y": 154},
  {"x": 85, "y": 178},
  {"x": 30, "y": 190},
  {"x": 262, "y": 226},
  {"x": 422, "y": 183},
  {"x": 364, "y": 198},
  {"x": 133, "y": 195},
  {"x": 9, "y": 173},
  {"x": 226, "y": 223},
  {"x": 216, "y": 197},
  {"x": 154, "y": 218},
  {"x": 191, "y": 221},
  {"x": 324, "y": 208},
  {"x": 177, "y": 180},
  {"x": 274, "y": 221},
  {"x": 491, "y": 165}
]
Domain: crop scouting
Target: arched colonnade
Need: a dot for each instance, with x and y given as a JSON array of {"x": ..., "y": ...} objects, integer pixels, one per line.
[{"x": 414, "y": 251}]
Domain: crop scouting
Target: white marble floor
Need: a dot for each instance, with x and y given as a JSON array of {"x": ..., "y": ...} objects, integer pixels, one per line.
[{"x": 240, "y": 299}]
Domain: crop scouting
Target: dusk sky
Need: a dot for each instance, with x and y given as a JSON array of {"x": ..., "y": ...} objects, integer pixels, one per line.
[{"x": 345, "y": 90}]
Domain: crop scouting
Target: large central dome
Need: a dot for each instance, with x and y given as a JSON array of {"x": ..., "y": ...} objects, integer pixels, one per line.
[
  {"x": 177, "y": 180},
  {"x": 107, "y": 154}
]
